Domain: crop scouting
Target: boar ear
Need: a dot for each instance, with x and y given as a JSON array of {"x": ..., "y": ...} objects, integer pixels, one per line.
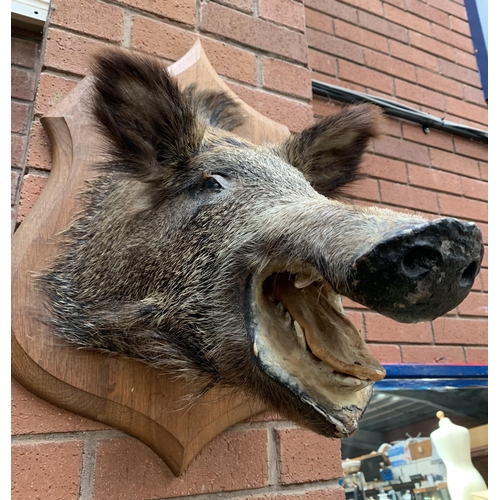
[
  {"x": 214, "y": 108},
  {"x": 329, "y": 152},
  {"x": 147, "y": 123}
]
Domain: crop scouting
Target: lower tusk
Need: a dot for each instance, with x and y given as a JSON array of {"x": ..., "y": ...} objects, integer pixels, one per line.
[{"x": 300, "y": 335}]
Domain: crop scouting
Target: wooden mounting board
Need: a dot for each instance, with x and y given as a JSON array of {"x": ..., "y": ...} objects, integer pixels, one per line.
[{"x": 120, "y": 392}]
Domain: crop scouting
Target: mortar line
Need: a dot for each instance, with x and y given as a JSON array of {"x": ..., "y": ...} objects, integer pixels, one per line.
[
  {"x": 273, "y": 458},
  {"x": 127, "y": 28},
  {"x": 53, "y": 437},
  {"x": 88, "y": 467}
]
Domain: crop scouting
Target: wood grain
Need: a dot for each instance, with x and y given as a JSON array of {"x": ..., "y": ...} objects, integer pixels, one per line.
[{"x": 120, "y": 392}]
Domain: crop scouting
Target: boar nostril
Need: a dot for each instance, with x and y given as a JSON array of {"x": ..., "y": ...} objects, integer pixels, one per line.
[
  {"x": 419, "y": 261},
  {"x": 469, "y": 274}
]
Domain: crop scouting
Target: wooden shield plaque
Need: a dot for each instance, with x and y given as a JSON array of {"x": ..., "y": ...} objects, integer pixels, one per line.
[{"x": 126, "y": 394}]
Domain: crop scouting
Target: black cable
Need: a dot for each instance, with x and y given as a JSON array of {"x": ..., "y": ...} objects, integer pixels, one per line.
[{"x": 399, "y": 111}]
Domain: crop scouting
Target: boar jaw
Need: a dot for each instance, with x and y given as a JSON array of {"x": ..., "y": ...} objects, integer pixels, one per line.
[{"x": 303, "y": 340}]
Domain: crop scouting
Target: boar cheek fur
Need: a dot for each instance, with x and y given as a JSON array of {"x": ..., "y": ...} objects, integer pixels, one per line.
[{"x": 156, "y": 264}]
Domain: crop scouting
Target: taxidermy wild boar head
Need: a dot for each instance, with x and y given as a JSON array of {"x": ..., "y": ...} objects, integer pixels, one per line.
[{"x": 224, "y": 262}]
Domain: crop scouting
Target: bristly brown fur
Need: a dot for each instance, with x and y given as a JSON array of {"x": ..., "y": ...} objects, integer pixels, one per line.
[
  {"x": 166, "y": 284},
  {"x": 329, "y": 152}
]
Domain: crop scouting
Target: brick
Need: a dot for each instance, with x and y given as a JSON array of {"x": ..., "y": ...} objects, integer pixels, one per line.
[
  {"x": 32, "y": 415},
  {"x": 460, "y": 73},
  {"x": 22, "y": 84},
  {"x": 23, "y": 52},
  {"x": 473, "y": 95},
  {"x": 454, "y": 163},
  {"x": 463, "y": 207},
  {"x": 483, "y": 277},
  {"x": 335, "y": 81},
  {"x": 432, "y": 354},
  {"x": 366, "y": 189},
  {"x": 421, "y": 9},
  {"x": 431, "y": 45},
  {"x": 348, "y": 303},
  {"x": 17, "y": 150},
  {"x": 19, "y": 115},
  {"x": 413, "y": 55},
  {"x": 434, "y": 179},
  {"x": 383, "y": 27},
  {"x": 434, "y": 81},
  {"x": 414, "y": 132},
  {"x": 70, "y": 52},
  {"x": 475, "y": 304},
  {"x": 341, "y": 48},
  {"x": 385, "y": 168},
  {"x": 460, "y": 331},
  {"x": 402, "y": 150},
  {"x": 180, "y": 10},
  {"x": 231, "y": 61},
  {"x": 51, "y": 90},
  {"x": 475, "y": 189},
  {"x": 305, "y": 456},
  {"x": 365, "y": 76},
  {"x": 485, "y": 258},
  {"x": 483, "y": 168},
  {"x": 460, "y": 26},
  {"x": 253, "y": 32},
  {"x": 244, "y": 5},
  {"x": 319, "y": 21},
  {"x": 408, "y": 196},
  {"x": 450, "y": 7},
  {"x": 90, "y": 17},
  {"x": 419, "y": 95},
  {"x": 323, "y": 63},
  {"x": 386, "y": 353},
  {"x": 382, "y": 329},
  {"x": 361, "y": 36},
  {"x": 294, "y": 114},
  {"x": 476, "y": 355},
  {"x": 160, "y": 38},
  {"x": 408, "y": 20},
  {"x": 286, "y": 12},
  {"x": 466, "y": 110},
  {"x": 286, "y": 78},
  {"x": 48, "y": 470},
  {"x": 390, "y": 65},
  {"x": 450, "y": 37},
  {"x": 374, "y": 6},
  {"x": 127, "y": 468},
  {"x": 336, "y": 10},
  {"x": 31, "y": 188},
  {"x": 39, "y": 153},
  {"x": 324, "y": 107},
  {"x": 465, "y": 59},
  {"x": 14, "y": 183}
]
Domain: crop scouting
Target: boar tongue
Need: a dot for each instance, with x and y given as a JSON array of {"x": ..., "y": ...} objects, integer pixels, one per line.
[{"x": 329, "y": 334}]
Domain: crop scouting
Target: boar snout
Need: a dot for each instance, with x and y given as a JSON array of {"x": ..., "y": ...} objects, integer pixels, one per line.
[{"x": 419, "y": 273}]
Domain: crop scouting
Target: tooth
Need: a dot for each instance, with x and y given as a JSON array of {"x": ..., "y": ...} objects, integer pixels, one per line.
[
  {"x": 280, "y": 308},
  {"x": 305, "y": 279},
  {"x": 300, "y": 335}
]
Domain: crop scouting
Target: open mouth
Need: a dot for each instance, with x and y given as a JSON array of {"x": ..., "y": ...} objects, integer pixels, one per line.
[{"x": 302, "y": 339}]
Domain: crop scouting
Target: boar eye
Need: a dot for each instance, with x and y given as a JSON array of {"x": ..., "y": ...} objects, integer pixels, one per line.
[{"x": 213, "y": 182}]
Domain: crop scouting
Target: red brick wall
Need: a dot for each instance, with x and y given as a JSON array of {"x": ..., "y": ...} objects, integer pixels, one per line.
[
  {"x": 420, "y": 54},
  {"x": 412, "y": 51}
]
